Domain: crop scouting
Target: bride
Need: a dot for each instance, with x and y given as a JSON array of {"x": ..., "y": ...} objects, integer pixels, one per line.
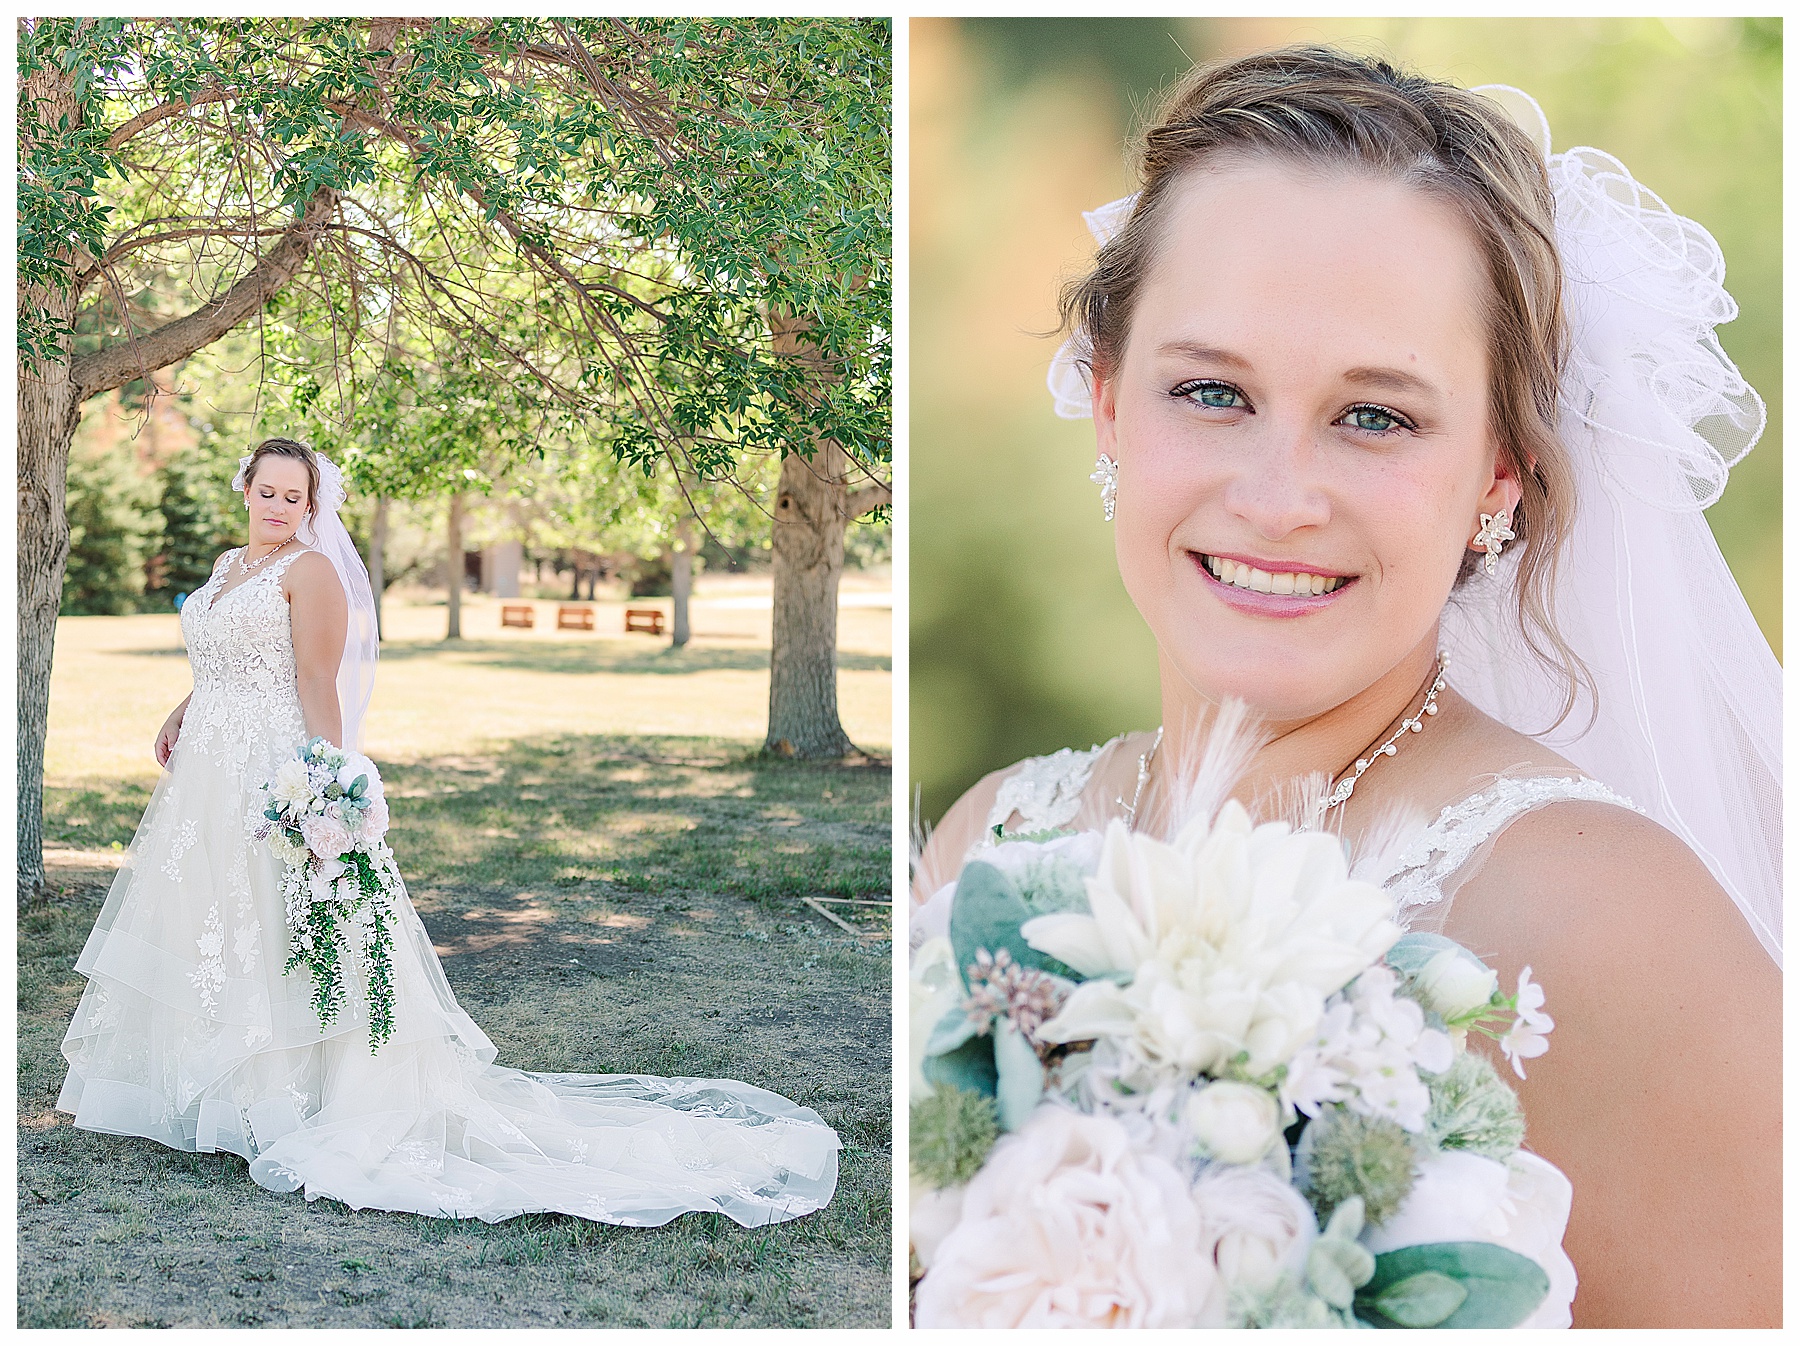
[
  {"x": 1404, "y": 428},
  {"x": 190, "y": 1034}
]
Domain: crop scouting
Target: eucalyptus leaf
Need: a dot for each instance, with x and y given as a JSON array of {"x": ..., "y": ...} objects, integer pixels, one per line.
[
  {"x": 1502, "y": 1288},
  {"x": 1421, "y": 1300}
]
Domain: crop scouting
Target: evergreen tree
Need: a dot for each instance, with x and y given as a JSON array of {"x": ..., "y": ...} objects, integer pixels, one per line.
[
  {"x": 109, "y": 525},
  {"x": 194, "y": 527}
]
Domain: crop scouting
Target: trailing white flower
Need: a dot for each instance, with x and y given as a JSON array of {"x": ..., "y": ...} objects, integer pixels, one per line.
[
  {"x": 1526, "y": 1037},
  {"x": 1213, "y": 954}
]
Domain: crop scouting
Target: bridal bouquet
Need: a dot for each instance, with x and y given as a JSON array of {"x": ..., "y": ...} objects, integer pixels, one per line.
[
  {"x": 324, "y": 819},
  {"x": 1211, "y": 1083}
]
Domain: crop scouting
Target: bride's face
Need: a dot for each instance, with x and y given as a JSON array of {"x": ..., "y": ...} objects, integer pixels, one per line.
[
  {"x": 277, "y": 497},
  {"x": 1301, "y": 424}
]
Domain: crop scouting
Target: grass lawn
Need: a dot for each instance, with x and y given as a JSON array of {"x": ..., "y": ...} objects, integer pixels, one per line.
[{"x": 604, "y": 898}]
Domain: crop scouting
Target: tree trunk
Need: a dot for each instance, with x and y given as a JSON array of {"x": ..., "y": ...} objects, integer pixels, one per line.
[
  {"x": 681, "y": 571},
  {"x": 48, "y": 411},
  {"x": 48, "y": 414},
  {"x": 455, "y": 562},
  {"x": 377, "y": 556},
  {"x": 813, "y": 504}
]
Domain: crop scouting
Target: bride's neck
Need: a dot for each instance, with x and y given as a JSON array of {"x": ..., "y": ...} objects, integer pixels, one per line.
[{"x": 1326, "y": 744}]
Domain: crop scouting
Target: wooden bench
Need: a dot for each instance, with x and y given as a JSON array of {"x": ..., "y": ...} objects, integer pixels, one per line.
[
  {"x": 647, "y": 620},
  {"x": 574, "y": 619},
  {"x": 518, "y": 614}
]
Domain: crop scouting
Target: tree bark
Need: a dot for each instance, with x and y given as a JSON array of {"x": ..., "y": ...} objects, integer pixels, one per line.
[
  {"x": 454, "y": 561},
  {"x": 681, "y": 571},
  {"x": 378, "y": 556},
  {"x": 814, "y": 503},
  {"x": 48, "y": 410}
]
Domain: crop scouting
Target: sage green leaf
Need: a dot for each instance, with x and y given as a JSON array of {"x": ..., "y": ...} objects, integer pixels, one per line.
[
  {"x": 1422, "y": 1300},
  {"x": 949, "y": 1033},
  {"x": 986, "y": 913},
  {"x": 1020, "y": 1083},
  {"x": 970, "y": 1066},
  {"x": 1502, "y": 1287},
  {"x": 1416, "y": 948}
]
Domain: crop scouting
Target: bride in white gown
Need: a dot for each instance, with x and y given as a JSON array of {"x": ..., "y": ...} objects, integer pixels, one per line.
[
  {"x": 1375, "y": 375},
  {"x": 190, "y": 1034}
]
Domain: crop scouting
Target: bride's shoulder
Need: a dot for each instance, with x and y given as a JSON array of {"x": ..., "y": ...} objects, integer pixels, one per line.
[
  {"x": 311, "y": 571},
  {"x": 1035, "y": 794}
]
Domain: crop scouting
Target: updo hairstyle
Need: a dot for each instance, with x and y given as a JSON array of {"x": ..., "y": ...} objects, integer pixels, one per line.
[{"x": 1323, "y": 108}]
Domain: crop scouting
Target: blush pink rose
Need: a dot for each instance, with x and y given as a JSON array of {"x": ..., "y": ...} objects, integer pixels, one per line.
[{"x": 325, "y": 838}]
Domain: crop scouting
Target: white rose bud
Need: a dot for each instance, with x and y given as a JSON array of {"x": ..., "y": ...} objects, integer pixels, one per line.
[
  {"x": 1235, "y": 1123},
  {"x": 1453, "y": 985}
]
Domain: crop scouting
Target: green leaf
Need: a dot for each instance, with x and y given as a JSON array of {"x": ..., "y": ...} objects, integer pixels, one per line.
[
  {"x": 1416, "y": 948},
  {"x": 1020, "y": 1083},
  {"x": 1501, "y": 1287},
  {"x": 986, "y": 913},
  {"x": 971, "y": 1066},
  {"x": 949, "y": 1033},
  {"x": 1424, "y": 1299}
]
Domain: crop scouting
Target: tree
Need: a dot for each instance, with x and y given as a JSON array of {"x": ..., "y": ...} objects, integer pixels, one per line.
[{"x": 678, "y": 228}]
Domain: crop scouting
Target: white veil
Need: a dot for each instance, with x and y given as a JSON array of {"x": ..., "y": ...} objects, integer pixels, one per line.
[
  {"x": 1686, "y": 722},
  {"x": 325, "y": 533}
]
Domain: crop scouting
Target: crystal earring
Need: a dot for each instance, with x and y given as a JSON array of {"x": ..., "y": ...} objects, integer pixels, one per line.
[
  {"x": 1106, "y": 477},
  {"x": 1496, "y": 532}
]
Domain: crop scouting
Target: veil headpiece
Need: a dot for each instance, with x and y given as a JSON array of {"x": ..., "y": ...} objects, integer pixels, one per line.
[
  {"x": 325, "y": 533},
  {"x": 1686, "y": 715}
]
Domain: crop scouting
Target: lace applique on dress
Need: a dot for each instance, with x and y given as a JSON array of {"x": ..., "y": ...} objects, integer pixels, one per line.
[
  {"x": 1044, "y": 791},
  {"x": 1417, "y": 873},
  {"x": 183, "y": 843},
  {"x": 244, "y": 671},
  {"x": 209, "y": 977}
]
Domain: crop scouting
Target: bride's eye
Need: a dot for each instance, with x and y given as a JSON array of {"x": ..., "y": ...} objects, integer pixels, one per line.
[
  {"x": 1374, "y": 419},
  {"x": 1212, "y": 394}
]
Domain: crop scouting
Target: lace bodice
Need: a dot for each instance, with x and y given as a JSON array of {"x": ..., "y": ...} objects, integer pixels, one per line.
[
  {"x": 240, "y": 644},
  {"x": 1045, "y": 793}
]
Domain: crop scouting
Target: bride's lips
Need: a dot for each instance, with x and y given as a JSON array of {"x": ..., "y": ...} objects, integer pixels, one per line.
[{"x": 1270, "y": 604}]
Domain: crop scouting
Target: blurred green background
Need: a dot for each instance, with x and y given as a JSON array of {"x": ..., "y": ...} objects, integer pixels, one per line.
[{"x": 1023, "y": 640}]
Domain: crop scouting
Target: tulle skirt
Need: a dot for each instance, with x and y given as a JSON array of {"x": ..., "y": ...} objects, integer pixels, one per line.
[{"x": 190, "y": 1034}]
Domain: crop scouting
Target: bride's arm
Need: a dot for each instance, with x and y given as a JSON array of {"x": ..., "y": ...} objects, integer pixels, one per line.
[
  {"x": 319, "y": 618},
  {"x": 1660, "y": 1095}
]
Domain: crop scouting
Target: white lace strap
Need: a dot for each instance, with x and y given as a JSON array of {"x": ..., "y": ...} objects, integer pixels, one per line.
[
  {"x": 1418, "y": 872},
  {"x": 1044, "y": 791}
]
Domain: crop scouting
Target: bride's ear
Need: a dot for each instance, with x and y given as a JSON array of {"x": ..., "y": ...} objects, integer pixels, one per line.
[
  {"x": 1504, "y": 492},
  {"x": 1105, "y": 416}
]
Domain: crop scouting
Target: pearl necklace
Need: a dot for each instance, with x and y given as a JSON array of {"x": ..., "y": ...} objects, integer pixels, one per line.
[
  {"x": 245, "y": 567},
  {"x": 1346, "y": 787}
]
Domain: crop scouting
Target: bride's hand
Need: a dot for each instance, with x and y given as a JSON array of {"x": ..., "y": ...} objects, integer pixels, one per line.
[{"x": 168, "y": 734}]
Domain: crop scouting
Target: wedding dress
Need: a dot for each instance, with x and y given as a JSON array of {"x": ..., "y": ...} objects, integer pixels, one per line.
[{"x": 190, "y": 1034}]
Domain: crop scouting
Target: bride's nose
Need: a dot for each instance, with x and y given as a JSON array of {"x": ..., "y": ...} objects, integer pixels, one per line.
[{"x": 1276, "y": 487}]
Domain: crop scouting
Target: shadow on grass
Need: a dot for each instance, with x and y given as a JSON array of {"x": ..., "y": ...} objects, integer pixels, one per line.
[{"x": 602, "y": 904}]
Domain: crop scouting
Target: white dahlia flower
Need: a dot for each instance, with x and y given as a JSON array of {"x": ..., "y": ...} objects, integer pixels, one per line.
[{"x": 1216, "y": 951}]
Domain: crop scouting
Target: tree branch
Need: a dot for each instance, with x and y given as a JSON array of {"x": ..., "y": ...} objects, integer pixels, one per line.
[
  {"x": 115, "y": 365},
  {"x": 860, "y": 502},
  {"x": 163, "y": 111}
]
